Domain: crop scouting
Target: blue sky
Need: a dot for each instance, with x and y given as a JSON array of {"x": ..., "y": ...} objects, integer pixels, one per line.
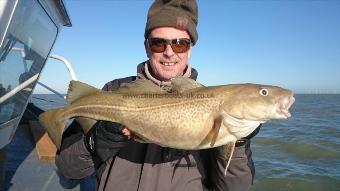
[{"x": 292, "y": 44}]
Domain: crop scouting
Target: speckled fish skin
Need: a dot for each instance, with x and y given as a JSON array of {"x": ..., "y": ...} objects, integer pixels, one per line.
[{"x": 199, "y": 118}]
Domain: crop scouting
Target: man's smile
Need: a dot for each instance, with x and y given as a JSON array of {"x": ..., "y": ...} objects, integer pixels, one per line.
[{"x": 168, "y": 63}]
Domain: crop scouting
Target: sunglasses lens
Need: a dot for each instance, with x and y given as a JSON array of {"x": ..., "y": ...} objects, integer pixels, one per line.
[
  {"x": 180, "y": 45},
  {"x": 158, "y": 45}
]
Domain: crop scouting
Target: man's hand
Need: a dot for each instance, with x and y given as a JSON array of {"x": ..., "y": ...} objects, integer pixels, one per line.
[
  {"x": 127, "y": 133},
  {"x": 105, "y": 139}
]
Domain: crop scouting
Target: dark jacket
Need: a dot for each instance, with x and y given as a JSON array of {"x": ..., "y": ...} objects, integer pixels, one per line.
[{"x": 149, "y": 167}]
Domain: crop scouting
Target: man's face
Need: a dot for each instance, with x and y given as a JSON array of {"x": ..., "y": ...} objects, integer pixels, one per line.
[{"x": 168, "y": 64}]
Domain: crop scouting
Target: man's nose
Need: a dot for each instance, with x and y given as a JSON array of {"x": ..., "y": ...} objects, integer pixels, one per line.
[{"x": 168, "y": 51}]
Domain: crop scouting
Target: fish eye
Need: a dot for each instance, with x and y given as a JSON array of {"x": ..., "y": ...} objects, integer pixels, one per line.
[{"x": 264, "y": 92}]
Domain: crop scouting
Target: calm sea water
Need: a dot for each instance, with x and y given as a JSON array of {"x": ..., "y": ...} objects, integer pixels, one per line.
[{"x": 301, "y": 153}]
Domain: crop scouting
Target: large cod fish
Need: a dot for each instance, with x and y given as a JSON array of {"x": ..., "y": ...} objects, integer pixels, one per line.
[{"x": 192, "y": 117}]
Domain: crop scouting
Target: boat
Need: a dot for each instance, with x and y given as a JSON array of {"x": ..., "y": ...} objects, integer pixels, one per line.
[{"x": 28, "y": 32}]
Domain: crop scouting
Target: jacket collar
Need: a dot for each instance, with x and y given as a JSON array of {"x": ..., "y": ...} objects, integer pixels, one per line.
[{"x": 143, "y": 71}]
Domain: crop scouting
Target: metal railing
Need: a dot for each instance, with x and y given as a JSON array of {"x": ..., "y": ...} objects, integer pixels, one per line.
[{"x": 32, "y": 79}]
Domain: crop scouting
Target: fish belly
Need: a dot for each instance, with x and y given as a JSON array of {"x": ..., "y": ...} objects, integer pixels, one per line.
[{"x": 180, "y": 125}]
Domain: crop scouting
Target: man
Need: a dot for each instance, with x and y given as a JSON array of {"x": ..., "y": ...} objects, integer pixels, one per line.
[{"x": 122, "y": 163}]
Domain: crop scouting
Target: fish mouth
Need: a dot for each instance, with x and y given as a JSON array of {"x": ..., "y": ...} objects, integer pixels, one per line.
[{"x": 283, "y": 106}]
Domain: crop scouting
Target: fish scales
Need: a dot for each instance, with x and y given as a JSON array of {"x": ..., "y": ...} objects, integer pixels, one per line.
[
  {"x": 178, "y": 125},
  {"x": 181, "y": 122}
]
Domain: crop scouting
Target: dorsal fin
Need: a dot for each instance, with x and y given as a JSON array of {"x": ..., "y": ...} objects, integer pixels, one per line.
[
  {"x": 181, "y": 84},
  {"x": 78, "y": 89},
  {"x": 140, "y": 86}
]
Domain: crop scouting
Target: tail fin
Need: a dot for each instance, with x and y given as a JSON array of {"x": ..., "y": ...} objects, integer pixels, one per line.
[{"x": 54, "y": 124}]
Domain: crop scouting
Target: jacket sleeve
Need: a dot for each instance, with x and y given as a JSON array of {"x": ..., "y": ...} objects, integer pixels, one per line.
[
  {"x": 240, "y": 172},
  {"x": 73, "y": 160}
]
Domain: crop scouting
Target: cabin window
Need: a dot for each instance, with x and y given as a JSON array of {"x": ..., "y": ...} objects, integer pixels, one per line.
[{"x": 23, "y": 53}]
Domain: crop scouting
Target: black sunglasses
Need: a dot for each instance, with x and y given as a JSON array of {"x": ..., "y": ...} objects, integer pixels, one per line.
[{"x": 178, "y": 45}]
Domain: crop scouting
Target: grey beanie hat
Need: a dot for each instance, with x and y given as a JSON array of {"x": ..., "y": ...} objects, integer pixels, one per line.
[{"x": 181, "y": 14}]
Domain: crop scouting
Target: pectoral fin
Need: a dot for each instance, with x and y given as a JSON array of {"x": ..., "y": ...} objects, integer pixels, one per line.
[
  {"x": 211, "y": 137},
  {"x": 230, "y": 147},
  {"x": 215, "y": 130}
]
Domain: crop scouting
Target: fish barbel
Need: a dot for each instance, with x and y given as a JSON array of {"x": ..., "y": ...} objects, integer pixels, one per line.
[{"x": 193, "y": 117}]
